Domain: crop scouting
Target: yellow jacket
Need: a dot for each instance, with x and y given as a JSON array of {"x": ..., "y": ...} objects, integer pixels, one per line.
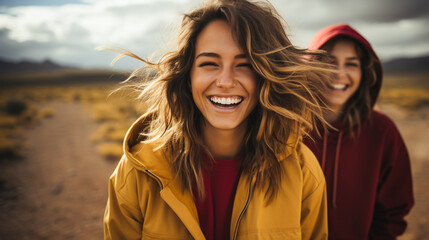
[{"x": 146, "y": 200}]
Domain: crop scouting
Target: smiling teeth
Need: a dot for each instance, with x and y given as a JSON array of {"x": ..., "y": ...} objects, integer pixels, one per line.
[
  {"x": 226, "y": 100},
  {"x": 338, "y": 86}
]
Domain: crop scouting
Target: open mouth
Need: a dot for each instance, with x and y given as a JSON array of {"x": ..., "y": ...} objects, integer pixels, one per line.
[
  {"x": 226, "y": 102},
  {"x": 338, "y": 86}
]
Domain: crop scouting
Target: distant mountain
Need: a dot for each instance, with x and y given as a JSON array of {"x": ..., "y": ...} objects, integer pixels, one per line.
[
  {"x": 417, "y": 64},
  {"x": 404, "y": 65},
  {"x": 28, "y": 66},
  {"x": 50, "y": 73}
]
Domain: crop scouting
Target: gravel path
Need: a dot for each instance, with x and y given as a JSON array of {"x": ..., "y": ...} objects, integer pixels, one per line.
[{"x": 61, "y": 187}]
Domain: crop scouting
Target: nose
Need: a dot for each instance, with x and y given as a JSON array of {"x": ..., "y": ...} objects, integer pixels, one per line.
[
  {"x": 341, "y": 72},
  {"x": 226, "y": 79}
]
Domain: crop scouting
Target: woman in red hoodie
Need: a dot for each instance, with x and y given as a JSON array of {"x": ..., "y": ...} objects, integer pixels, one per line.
[{"x": 365, "y": 160}]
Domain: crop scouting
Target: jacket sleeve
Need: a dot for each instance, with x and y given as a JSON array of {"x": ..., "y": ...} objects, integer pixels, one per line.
[
  {"x": 314, "y": 213},
  {"x": 122, "y": 218},
  {"x": 394, "y": 198}
]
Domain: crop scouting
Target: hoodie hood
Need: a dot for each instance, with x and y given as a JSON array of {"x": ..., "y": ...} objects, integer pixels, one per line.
[{"x": 338, "y": 30}]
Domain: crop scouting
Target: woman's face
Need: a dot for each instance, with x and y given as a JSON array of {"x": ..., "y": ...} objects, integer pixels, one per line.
[
  {"x": 223, "y": 82},
  {"x": 347, "y": 81}
]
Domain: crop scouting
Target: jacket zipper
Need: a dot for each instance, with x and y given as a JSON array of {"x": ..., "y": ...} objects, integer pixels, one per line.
[
  {"x": 156, "y": 178},
  {"x": 242, "y": 212}
]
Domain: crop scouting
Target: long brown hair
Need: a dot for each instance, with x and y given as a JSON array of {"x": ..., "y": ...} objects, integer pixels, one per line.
[
  {"x": 289, "y": 99},
  {"x": 358, "y": 107}
]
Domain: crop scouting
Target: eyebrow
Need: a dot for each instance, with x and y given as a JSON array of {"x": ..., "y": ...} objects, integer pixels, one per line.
[
  {"x": 215, "y": 55},
  {"x": 353, "y": 58}
]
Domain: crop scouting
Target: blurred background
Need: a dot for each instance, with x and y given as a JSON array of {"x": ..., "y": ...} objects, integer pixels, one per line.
[{"x": 61, "y": 131}]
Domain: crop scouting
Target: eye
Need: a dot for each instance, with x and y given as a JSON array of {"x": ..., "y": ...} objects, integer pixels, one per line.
[
  {"x": 353, "y": 64},
  {"x": 207, "y": 64},
  {"x": 247, "y": 65}
]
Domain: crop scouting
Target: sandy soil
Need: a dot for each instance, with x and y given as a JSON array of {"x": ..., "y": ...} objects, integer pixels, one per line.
[
  {"x": 61, "y": 187},
  {"x": 59, "y": 191}
]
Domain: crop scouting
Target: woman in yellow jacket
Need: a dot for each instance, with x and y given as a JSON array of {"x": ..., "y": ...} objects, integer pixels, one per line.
[{"x": 218, "y": 154}]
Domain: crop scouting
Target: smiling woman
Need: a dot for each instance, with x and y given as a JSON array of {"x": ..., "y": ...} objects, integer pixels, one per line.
[
  {"x": 366, "y": 163},
  {"x": 218, "y": 154}
]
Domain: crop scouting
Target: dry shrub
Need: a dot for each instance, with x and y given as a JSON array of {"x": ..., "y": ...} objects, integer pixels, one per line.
[
  {"x": 114, "y": 112},
  {"x": 111, "y": 131},
  {"x": 15, "y": 132},
  {"x": 29, "y": 117},
  {"x": 15, "y": 112},
  {"x": 409, "y": 98},
  {"x": 103, "y": 112},
  {"x": 101, "y": 132},
  {"x": 110, "y": 150},
  {"x": 15, "y": 107},
  {"x": 116, "y": 135},
  {"x": 11, "y": 148},
  {"x": 46, "y": 113},
  {"x": 7, "y": 121}
]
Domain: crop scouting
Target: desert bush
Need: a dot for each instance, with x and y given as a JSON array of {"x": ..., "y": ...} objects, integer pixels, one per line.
[
  {"x": 101, "y": 132},
  {"x": 15, "y": 107},
  {"x": 103, "y": 112},
  {"x": 408, "y": 98},
  {"x": 29, "y": 117},
  {"x": 110, "y": 150},
  {"x": 112, "y": 131},
  {"x": 114, "y": 112},
  {"x": 11, "y": 148},
  {"x": 16, "y": 132},
  {"x": 7, "y": 121},
  {"x": 46, "y": 112}
]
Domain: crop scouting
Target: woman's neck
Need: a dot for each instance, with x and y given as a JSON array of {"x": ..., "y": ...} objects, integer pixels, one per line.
[
  {"x": 224, "y": 143},
  {"x": 332, "y": 115}
]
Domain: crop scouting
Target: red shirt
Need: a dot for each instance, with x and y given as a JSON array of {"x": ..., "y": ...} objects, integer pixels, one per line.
[{"x": 215, "y": 210}]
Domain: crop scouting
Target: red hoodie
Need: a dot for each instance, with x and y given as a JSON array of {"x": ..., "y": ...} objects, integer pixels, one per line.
[{"x": 368, "y": 175}]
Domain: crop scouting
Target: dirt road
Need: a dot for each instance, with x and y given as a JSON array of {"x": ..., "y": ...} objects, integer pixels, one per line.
[{"x": 61, "y": 187}]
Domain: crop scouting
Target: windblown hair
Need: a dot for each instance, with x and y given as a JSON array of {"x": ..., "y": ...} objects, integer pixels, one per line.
[
  {"x": 358, "y": 107},
  {"x": 290, "y": 97}
]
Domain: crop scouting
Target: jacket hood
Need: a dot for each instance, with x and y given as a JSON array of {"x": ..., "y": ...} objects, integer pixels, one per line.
[
  {"x": 145, "y": 157},
  {"x": 338, "y": 30}
]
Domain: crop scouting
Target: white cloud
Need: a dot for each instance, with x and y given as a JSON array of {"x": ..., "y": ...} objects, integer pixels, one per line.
[
  {"x": 400, "y": 30},
  {"x": 67, "y": 32},
  {"x": 129, "y": 24}
]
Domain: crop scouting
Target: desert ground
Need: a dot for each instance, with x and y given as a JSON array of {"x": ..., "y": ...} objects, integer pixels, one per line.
[{"x": 58, "y": 188}]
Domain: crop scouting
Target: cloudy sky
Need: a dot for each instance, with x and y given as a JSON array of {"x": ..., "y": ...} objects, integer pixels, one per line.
[{"x": 68, "y": 31}]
